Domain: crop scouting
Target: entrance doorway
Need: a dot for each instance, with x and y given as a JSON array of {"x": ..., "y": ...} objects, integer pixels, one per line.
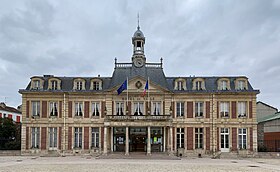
[{"x": 138, "y": 142}]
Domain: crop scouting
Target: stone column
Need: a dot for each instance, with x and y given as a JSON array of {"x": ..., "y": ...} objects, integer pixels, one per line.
[
  {"x": 163, "y": 139},
  {"x": 105, "y": 141},
  {"x": 149, "y": 141},
  {"x": 171, "y": 140},
  {"x": 126, "y": 141}
]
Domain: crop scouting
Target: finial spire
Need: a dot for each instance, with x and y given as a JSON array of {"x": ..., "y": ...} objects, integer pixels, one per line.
[{"x": 138, "y": 27}]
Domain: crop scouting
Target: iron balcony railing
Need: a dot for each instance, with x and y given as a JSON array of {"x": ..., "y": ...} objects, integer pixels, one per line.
[{"x": 137, "y": 118}]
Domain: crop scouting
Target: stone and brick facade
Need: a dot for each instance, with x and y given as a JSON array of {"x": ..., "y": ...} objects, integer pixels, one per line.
[{"x": 186, "y": 115}]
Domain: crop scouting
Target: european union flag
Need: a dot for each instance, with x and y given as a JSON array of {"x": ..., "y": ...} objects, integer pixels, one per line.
[{"x": 122, "y": 87}]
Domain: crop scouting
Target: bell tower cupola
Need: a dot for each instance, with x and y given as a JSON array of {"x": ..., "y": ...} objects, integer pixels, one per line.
[{"x": 138, "y": 41}]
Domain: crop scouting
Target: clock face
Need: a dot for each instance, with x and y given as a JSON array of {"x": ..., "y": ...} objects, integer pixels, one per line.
[{"x": 138, "y": 62}]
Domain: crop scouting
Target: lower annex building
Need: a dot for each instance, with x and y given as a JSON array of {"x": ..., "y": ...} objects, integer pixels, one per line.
[{"x": 176, "y": 115}]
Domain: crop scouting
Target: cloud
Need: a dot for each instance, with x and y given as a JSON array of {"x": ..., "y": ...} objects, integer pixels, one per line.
[{"x": 71, "y": 38}]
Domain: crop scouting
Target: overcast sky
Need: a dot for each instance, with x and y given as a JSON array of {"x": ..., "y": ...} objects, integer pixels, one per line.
[{"x": 82, "y": 38}]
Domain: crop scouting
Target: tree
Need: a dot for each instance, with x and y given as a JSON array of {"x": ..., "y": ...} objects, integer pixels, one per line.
[{"x": 10, "y": 134}]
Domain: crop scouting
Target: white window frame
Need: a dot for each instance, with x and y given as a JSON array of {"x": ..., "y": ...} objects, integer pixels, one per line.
[
  {"x": 199, "y": 109},
  {"x": 180, "y": 138},
  {"x": 95, "y": 137},
  {"x": 138, "y": 109},
  {"x": 224, "y": 84},
  {"x": 242, "y": 138},
  {"x": 79, "y": 110},
  {"x": 37, "y": 84},
  {"x": 78, "y": 137},
  {"x": 96, "y": 85},
  {"x": 54, "y": 84},
  {"x": 35, "y": 137},
  {"x": 120, "y": 108},
  {"x": 156, "y": 108},
  {"x": 199, "y": 138},
  {"x": 79, "y": 85},
  {"x": 241, "y": 109},
  {"x": 180, "y": 85},
  {"x": 225, "y": 139},
  {"x": 224, "y": 109},
  {"x": 52, "y": 138},
  {"x": 95, "y": 109},
  {"x": 36, "y": 110},
  {"x": 198, "y": 85},
  {"x": 180, "y": 109},
  {"x": 52, "y": 106},
  {"x": 241, "y": 85}
]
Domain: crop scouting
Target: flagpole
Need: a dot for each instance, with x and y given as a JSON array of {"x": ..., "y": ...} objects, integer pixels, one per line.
[
  {"x": 127, "y": 93},
  {"x": 149, "y": 95}
]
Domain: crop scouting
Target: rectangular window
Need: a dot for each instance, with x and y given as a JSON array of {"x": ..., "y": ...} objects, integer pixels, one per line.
[
  {"x": 53, "y": 109},
  {"x": 224, "y": 109},
  {"x": 95, "y": 108},
  {"x": 78, "y": 109},
  {"x": 35, "y": 108},
  {"x": 78, "y": 137},
  {"x": 95, "y": 137},
  {"x": 52, "y": 137},
  {"x": 223, "y": 85},
  {"x": 198, "y": 109},
  {"x": 54, "y": 85},
  {"x": 156, "y": 108},
  {"x": 199, "y": 138},
  {"x": 79, "y": 85},
  {"x": 180, "y": 106},
  {"x": 96, "y": 85},
  {"x": 198, "y": 85},
  {"x": 37, "y": 84},
  {"x": 138, "y": 108},
  {"x": 242, "y": 138},
  {"x": 35, "y": 137},
  {"x": 180, "y": 85},
  {"x": 241, "y": 85},
  {"x": 241, "y": 109},
  {"x": 119, "y": 108},
  {"x": 180, "y": 138}
]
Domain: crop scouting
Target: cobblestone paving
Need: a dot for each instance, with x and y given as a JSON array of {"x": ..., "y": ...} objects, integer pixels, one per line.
[{"x": 83, "y": 164}]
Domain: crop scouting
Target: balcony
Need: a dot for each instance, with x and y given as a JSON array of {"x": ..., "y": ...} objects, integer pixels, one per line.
[{"x": 138, "y": 118}]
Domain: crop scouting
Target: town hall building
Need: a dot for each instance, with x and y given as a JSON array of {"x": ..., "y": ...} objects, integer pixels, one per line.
[{"x": 182, "y": 116}]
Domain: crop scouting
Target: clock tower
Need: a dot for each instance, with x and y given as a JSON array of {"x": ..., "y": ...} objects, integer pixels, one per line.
[{"x": 138, "y": 41}]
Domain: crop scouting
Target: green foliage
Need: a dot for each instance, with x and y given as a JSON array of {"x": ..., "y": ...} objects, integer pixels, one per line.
[{"x": 10, "y": 134}]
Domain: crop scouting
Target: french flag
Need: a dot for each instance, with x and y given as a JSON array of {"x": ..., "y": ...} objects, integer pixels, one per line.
[{"x": 146, "y": 88}]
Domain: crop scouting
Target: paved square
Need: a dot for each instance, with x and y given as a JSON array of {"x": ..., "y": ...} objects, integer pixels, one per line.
[{"x": 82, "y": 164}]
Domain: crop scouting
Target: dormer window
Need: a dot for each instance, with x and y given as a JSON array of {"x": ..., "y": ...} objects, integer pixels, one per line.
[
  {"x": 37, "y": 84},
  {"x": 79, "y": 85},
  {"x": 54, "y": 85},
  {"x": 223, "y": 85},
  {"x": 180, "y": 84},
  {"x": 96, "y": 84},
  {"x": 198, "y": 85},
  {"x": 241, "y": 85}
]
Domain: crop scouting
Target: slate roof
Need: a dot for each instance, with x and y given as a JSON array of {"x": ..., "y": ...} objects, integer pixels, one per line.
[{"x": 154, "y": 72}]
